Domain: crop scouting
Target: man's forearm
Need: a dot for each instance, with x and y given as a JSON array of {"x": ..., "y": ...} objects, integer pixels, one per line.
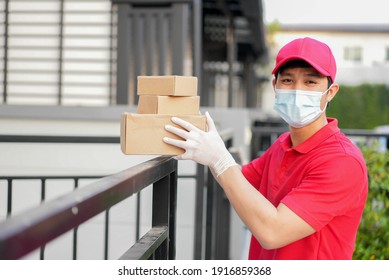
[
  {"x": 253, "y": 208},
  {"x": 272, "y": 226}
]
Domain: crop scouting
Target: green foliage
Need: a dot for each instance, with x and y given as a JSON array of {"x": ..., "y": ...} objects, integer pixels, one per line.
[
  {"x": 373, "y": 234},
  {"x": 273, "y": 27},
  {"x": 362, "y": 107},
  {"x": 365, "y": 107}
]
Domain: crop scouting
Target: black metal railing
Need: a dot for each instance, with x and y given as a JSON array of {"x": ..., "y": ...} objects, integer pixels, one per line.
[
  {"x": 54, "y": 218},
  {"x": 212, "y": 216},
  {"x": 264, "y": 136},
  {"x": 43, "y": 187},
  {"x": 212, "y": 212}
]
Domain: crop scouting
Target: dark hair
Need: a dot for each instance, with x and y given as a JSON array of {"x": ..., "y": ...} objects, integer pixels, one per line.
[{"x": 298, "y": 63}]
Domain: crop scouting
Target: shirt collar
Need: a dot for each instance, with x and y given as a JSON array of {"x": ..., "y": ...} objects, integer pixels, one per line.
[{"x": 325, "y": 132}]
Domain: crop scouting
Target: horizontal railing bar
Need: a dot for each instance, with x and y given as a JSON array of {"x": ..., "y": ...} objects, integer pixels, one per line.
[
  {"x": 350, "y": 132},
  {"x": 72, "y": 177},
  {"x": 264, "y": 129},
  {"x": 225, "y": 134},
  {"x": 187, "y": 176},
  {"x": 25, "y": 232},
  {"x": 147, "y": 245},
  {"x": 364, "y": 132},
  {"x": 58, "y": 139},
  {"x": 50, "y": 177}
]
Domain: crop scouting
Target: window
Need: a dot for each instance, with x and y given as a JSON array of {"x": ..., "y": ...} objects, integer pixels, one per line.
[
  {"x": 353, "y": 54},
  {"x": 58, "y": 52}
]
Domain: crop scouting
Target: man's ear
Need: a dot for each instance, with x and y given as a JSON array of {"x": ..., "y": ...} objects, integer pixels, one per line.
[
  {"x": 332, "y": 92},
  {"x": 273, "y": 82}
]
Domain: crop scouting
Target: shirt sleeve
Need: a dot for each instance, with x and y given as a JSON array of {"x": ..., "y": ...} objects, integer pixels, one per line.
[
  {"x": 253, "y": 171},
  {"x": 328, "y": 190}
]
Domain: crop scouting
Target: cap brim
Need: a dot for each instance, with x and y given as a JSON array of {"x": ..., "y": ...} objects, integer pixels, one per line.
[{"x": 290, "y": 58}]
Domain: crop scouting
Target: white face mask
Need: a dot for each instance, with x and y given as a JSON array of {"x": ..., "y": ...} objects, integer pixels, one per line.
[{"x": 298, "y": 107}]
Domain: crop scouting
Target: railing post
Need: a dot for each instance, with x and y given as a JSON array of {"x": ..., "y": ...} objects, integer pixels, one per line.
[
  {"x": 217, "y": 219},
  {"x": 199, "y": 212},
  {"x": 210, "y": 216},
  {"x": 9, "y": 197},
  {"x": 164, "y": 212},
  {"x": 172, "y": 215},
  {"x": 222, "y": 225},
  {"x": 56, "y": 217},
  {"x": 160, "y": 212}
]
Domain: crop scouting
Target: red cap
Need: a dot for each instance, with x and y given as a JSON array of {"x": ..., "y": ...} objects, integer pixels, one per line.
[{"x": 316, "y": 53}]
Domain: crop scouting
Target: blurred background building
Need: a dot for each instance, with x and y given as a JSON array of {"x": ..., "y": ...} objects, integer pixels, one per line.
[{"x": 69, "y": 68}]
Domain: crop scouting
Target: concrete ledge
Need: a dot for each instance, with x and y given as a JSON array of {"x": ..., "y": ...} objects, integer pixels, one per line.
[{"x": 111, "y": 113}]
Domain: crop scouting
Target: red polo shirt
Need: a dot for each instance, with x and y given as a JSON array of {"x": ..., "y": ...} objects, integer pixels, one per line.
[{"x": 324, "y": 181}]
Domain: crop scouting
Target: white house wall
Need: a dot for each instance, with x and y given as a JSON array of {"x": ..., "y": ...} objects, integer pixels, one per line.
[{"x": 374, "y": 67}]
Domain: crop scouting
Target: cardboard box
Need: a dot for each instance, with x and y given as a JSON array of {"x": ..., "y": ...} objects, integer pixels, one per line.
[
  {"x": 167, "y": 85},
  {"x": 151, "y": 104},
  {"x": 141, "y": 134}
]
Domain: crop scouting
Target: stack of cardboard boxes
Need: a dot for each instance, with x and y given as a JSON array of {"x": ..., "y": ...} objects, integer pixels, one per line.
[{"x": 160, "y": 98}]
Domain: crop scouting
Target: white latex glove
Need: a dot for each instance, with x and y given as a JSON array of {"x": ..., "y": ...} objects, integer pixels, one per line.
[{"x": 206, "y": 148}]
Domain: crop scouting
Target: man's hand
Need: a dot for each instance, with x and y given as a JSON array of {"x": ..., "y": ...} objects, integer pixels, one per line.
[{"x": 206, "y": 148}]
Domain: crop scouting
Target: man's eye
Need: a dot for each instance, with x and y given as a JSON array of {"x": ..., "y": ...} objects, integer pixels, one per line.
[{"x": 286, "y": 80}]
